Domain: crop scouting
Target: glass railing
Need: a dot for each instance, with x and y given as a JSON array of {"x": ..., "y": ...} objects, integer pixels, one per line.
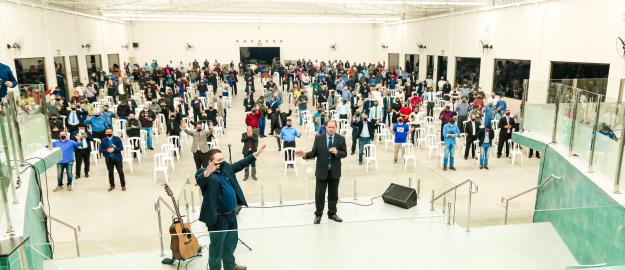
[
  {"x": 31, "y": 114},
  {"x": 587, "y": 123}
]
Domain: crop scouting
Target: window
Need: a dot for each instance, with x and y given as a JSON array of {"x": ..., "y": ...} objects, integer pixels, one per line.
[
  {"x": 61, "y": 74},
  {"x": 467, "y": 71},
  {"x": 412, "y": 64},
  {"x": 31, "y": 71},
  {"x": 592, "y": 77},
  {"x": 509, "y": 76},
  {"x": 441, "y": 71}
]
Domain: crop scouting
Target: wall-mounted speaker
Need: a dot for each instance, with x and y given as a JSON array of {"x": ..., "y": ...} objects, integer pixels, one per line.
[{"x": 135, "y": 44}]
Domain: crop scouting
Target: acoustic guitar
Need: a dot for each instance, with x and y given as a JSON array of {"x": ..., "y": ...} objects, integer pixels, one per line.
[{"x": 184, "y": 244}]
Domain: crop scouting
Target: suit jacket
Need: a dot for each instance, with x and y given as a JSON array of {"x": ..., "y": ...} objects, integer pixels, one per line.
[
  {"x": 321, "y": 152},
  {"x": 468, "y": 128},
  {"x": 199, "y": 139},
  {"x": 211, "y": 188},
  {"x": 504, "y": 131},
  {"x": 249, "y": 139},
  {"x": 275, "y": 124},
  {"x": 249, "y": 104},
  {"x": 370, "y": 126},
  {"x": 482, "y": 133},
  {"x": 117, "y": 143}
]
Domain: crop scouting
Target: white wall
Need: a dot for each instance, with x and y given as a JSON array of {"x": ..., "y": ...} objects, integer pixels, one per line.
[
  {"x": 48, "y": 34},
  {"x": 564, "y": 30},
  {"x": 166, "y": 41}
]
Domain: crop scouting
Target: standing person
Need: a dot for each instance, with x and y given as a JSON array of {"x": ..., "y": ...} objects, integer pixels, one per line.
[
  {"x": 199, "y": 146},
  {"x": 7, "y": 80},
  {"x": 221, "y": 194},
  {"x": 250, "y": 145},
  {"x": 354, "y": 125},
  {"x": 462, "y": 111},
  {"x": 400, "y": 130},
  {"x": 67, "y": 162},
  {"x": 329, "y": 148},
  {"x": 112, "y": 148},
  {"x": 98, "y": 124},
  {"x": 505, "y": 133},
  {"x": 365, "y": 130},
  {"x": 302, "y": 105},
  {"x": 83, "y": 151},
  {"x": 450, "y": 132},
  {"x": 445, "y": 116},
  {"x": 288, "y": 134},
  {"x": 147, "y": 117},
  {"x": 56, "y": 126},
  {"x": 485, "y": 136},
  {"x": 278, "y": 120},
  {"x": 471, "y": 131},
  {"x": 248, "y": 103},
  {"x": 133, "y": 129},
  {"x": 430, "y": 99},
  {"x": 253, "y": 119}
]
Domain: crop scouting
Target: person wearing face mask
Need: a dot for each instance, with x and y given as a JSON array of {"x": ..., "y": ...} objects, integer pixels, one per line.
[
  {"x": 56, "y": 126},
  {"x": 83, "y": 151},
  {"x": 107, "y": 115},
  {"x": 248, "y": 103},
  {"x": 199, "y": 146},
  {"x": 318, "y": 119},
  {"x": 147, "y": 117},
  {"x": 250, "y": 145},
  {"x": 288, "y": 135},
  {"x": 365, "y": 130},
  {"x": 112, "y": 147},
  {"x": 450, "y": 133},
  {"x": 221, "y": 194},
  {"x": 471, "y": 131},
  {"x": 173, "y": 125},
  {"x": 278, "y": 121},
  {"x": 462, "y": 111},
  {"x": 123, "y": 110},
  {"x": 376, "y": 112},
  {"x": 343, "y": 109},
  {"x": 97, "y": 123},
  {"x": 506, "y": 125},
  {"x": 67, "y": 162},
  {"x": 485, "y": 136},
  {"x": 445, "y": 116},
  {"x": 400, "y": 130},
  {"x": 133, "y": 129}
]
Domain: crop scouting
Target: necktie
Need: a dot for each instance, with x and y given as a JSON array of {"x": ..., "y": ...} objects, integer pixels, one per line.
[
  {"x": 72, "y": 119},
  {"x": 330, "y": 141}
]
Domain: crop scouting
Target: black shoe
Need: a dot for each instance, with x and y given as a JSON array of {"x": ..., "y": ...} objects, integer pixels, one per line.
[
  {"x": 452, "y": 168},
  {"x": 486, "y": 167},
  {"x": 359, "y": 162},
  {"x": 481, "y": 167},
  {"x": 444, "y": 168},
  {"x": 498, "y": 156},
  {"x": 317, "y": 219},
  {"x": 465, "y": 158},
  {"x": 336, "y": 218},
  {"x": 150, "y": 148},
  {"x": 77, "y": 176},
  {"x": 352, "y": 153},
  {"x": 86, "y": 175}
]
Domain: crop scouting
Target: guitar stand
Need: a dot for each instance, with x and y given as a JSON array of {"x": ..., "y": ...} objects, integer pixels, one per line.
[
  {"x": 171, "y": 261},
  {"x": 248, "y": 247}
]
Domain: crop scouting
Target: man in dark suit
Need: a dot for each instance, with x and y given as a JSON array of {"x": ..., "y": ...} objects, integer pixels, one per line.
[
  {"x": 470, "y": 130},
  {"x": 249, "y": 103},
  {"x": 221, "y": 194},
  {"x": 329, "y": 148},
  {"x": 505, "y": 133},
  {"x": 250, "y": 145},
  {"x": 278, "y": 121},
  {"x": 364, "y": 134},
  {"x": 112, "y": 147}
]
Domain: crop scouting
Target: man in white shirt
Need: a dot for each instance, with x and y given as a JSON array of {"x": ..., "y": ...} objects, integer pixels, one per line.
[
  {"x": 429, "y": 82},
  {"x": 441, "y": 83},
  {"x": 375, "y": 113},
  {"x": 343, "y": 109},
  {"x": 493, "y": 98},
  {"x": 430, "y": 99}
]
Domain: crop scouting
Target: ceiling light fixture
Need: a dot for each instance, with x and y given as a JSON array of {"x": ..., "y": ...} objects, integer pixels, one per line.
[
  {"x": 248, "y": 19},
  {"x": 388, "y": 2}
]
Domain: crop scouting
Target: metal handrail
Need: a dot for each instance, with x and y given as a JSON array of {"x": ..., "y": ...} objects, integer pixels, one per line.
[
  {"x": 76, "y": 229},
  {"x": 585, "y": 266},
  {"x": 507, "y": 200},
  {"x": 472, "y": 185},
  {"x": 157, "y": 207}
]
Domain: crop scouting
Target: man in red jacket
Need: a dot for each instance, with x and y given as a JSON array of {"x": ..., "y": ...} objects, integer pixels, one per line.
[{"x": 252, "y": 119}]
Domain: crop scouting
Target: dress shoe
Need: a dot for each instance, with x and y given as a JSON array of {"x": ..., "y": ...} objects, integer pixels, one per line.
[
  {"x": 336, "y": 218},
  {"x": 481, "y": 167},
  {"x": 123, "y": 188},
  {"x": 86, "y": 175},
  {"x": 111, "y": 188},
  {"x": 239, "y": 267},
  {"x": 452, "y": 168},
  {"x": 77, "y": 176},
  {"x": 246, "y": 177},
  {"x": 317, "y": 219},
  {"x": 444, "y": 168},
  {"x": 486, "y": 167}
]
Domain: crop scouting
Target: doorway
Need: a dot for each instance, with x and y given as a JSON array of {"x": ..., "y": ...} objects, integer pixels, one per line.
[
  {"x": 412, "y": 64},
  {"x": 252, "y": 57},
  {"x": 393, "y": 61}
]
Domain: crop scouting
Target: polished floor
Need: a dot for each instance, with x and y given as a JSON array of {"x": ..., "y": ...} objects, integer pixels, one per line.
[{"x": 127, "y": 220}]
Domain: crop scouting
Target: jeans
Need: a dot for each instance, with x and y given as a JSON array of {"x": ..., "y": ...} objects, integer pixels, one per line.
[
  {"x": 361, "y": 145},
  {"x": 223, "y": 242},
  {"x": 149, "y": 138},
  {"x": 484, "y": 154},
  {"x": 261, "y": 123},
  {"x": 449, "y": 155},
  {"x": 60, "y": 168}
]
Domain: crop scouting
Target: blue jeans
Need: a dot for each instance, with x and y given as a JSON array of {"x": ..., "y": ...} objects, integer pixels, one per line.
[
  {"x": 301, "y": 119},
  {"x": 449, "y": 155},
  {"x": 60, "y": 169},
  {"x": 261, "y": 125},
  {"x": 361, "y": 146},
  {"x": 223, "y": 243},
  {"x": 484, "y": 154},
  {"x": 149, "y": 137}
]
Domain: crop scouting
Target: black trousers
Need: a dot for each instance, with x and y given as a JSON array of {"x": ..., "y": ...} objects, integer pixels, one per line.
[
  {"x": 119, "y": 166},
  {"x": 470, "y": 144},
  {"x": 289, "y": 144},
  {"x": 354, "y": 143},
  {"x": 430, "y": 109},
  {"x": 201, "y": 159},
  {"x": 503, "y": 140},
  {"x": 532, "y": 153},
  {"x": 332, "y": 185},
  {"x": 82, "y": 155}
]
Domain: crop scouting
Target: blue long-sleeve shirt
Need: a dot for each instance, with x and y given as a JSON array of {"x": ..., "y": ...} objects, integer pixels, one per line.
[
  {"x": 67, "y": 150},
  {"x": 449, "y": 129},
  {"x": 108, "y": 117},
  {"x": 98, "y": 124},
  {"x": 501, "y": 106},
  {"x": 288, "y": 134},
  {"x": 117, "y": 143},
  {"x": 6, "y": 75}
]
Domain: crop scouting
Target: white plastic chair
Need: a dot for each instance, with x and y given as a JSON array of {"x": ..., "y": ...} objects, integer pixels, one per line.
[
  {"x": 143, "y": 135},
  {"x": 379, "y": 132},
  {"x": 516, "y": 151},
  {"x": 175, "y": 140},
  {"x": 160, "y": 165},
  {"x": 168, "y": 154},
  {"x": 127, "y": 156},
  {"x": 211, "y": 145},
  {"x": 409, "y": 154},
  {"x": 370, "y": 156},
  {"x": 289, "y": 158},
  {"x": 432, "y": 145},
  {"x": 388, "y": 139},
  {"x": 95, "y": 149},
  {"x": 420, "y": 137},
  {"x": 135, "y": 141}
]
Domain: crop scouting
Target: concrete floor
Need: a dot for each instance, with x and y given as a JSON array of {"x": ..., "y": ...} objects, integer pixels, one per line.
[{"x": 116, "y": 216}]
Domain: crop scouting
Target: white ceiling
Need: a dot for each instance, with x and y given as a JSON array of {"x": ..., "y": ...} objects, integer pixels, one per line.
[{"x": 174, "y": 10}]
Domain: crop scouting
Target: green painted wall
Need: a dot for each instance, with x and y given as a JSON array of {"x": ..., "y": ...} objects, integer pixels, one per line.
[{"x": 589, "y": 221}]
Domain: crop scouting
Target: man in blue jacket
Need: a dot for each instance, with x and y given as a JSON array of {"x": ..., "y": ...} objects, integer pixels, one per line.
[
  {"x": 450, "y": 132},
  {"x": 221, "y": 194},
  {"x": 112, "y": 147},
  {"x": 65, "y": 165},
  {"x": 98, "y": 124},
  {"x": 7, "y": 80}
]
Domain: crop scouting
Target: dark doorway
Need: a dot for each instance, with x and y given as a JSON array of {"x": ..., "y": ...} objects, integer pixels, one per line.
[
  {"x": 509, "y": 77},
  {"x": 430, "y": 66},
  {"x": 259, "y": 55},
  {"x": 31, "y": 71},
  {"x": 412, "y": 64},
  {"x": 61, "y": 75},
  {"x": 441, "y": 71},
  {"x": 592, "y": 77},
  {"x": 467, "y": 71}
]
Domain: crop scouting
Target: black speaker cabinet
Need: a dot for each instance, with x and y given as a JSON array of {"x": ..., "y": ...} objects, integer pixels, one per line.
[
  {"x": 401, "y": 196},
  {"x": 135, "y": 44}
]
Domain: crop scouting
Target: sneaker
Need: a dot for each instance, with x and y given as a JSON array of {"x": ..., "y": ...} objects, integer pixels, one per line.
[
  {"x": 69, "y": 188},
  {"x": 57, "y": 189}
]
